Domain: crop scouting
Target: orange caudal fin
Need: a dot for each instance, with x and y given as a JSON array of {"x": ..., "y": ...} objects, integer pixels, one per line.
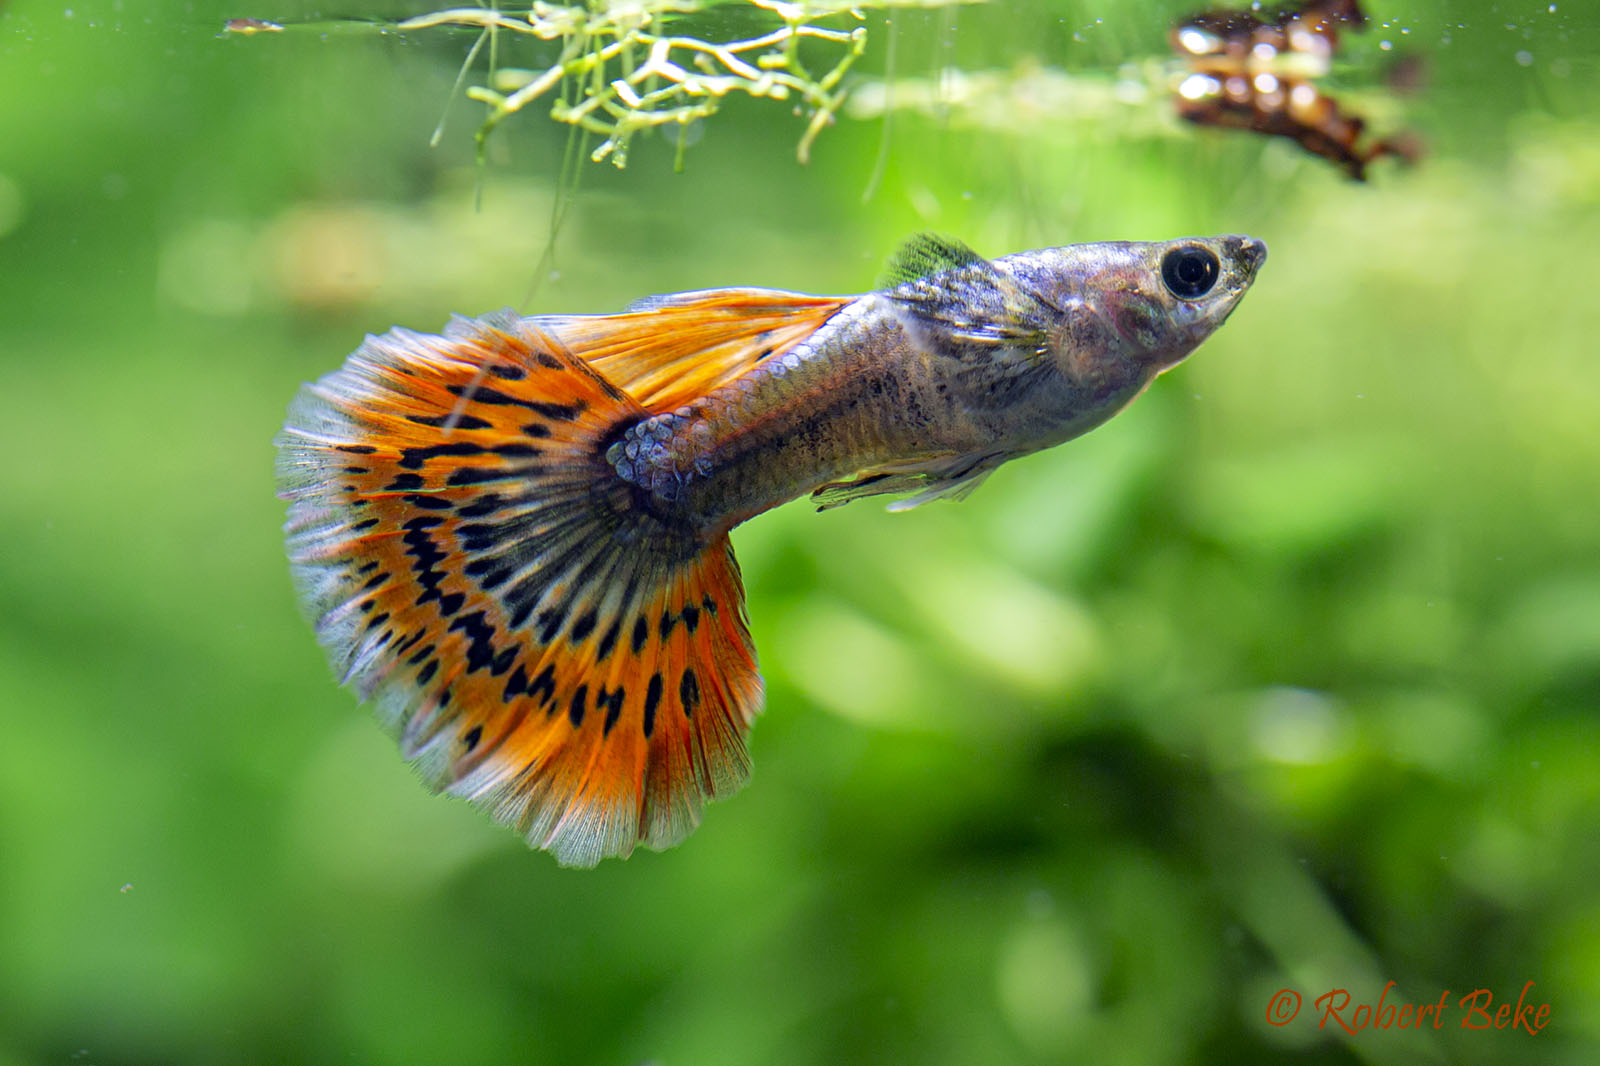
[{"x": 534, "y": 640}]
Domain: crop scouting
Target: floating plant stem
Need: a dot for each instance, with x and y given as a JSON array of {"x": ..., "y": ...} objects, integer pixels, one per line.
[{"x": 619, "y": 71}]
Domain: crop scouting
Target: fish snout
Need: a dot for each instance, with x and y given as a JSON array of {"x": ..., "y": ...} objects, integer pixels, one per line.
[{"x": 1248, "y": 252}]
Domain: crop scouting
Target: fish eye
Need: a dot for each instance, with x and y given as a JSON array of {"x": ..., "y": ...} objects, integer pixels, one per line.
[{"x": 1190, "y": 271}]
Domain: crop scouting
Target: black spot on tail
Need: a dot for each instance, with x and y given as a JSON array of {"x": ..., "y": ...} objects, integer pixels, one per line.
[
  {"x": 490, "y": 572},
  {"x": 689, "y": 692},
  {"x": 486, "y": 504},
  {"x": 549, "y": 622},
  {"x": 652, "y": 700},
  {"x": 441, "y": 421},
  {"x": 482, "y": 475},
  {"x": 544, "y": 686},
  {"x": 583, "y": 626},
  {"x": 612, "y": 702},
  {"x": 608, "y": 642},
  {"x": 479, "y": 634},
  {"x": 425, "y": 555},
  {"x": 557, "y": 412},
  {"x": 493, "y": 397},
  {"x": 516, "y": 685},
  {"x": 575, "y": 709},
  {"x": 414, "y": 458}
]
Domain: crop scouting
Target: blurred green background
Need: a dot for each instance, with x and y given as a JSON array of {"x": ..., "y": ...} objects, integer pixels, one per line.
[{"x": 1286, "y": 678}]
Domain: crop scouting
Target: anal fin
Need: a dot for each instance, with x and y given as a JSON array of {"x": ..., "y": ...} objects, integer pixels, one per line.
[{"x": 945, "y": 477}]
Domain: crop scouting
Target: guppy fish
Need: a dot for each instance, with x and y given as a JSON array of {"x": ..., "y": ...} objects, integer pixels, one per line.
[{"x": 513, "y": 538}]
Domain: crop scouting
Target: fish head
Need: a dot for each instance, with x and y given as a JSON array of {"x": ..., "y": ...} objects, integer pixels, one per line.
[
  {"x": 1138, "y": 308},
  {"x": 1045, "y": 345}
]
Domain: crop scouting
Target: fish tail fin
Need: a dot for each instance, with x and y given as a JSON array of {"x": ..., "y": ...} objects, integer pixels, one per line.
[{"x": 535, "y": 640}]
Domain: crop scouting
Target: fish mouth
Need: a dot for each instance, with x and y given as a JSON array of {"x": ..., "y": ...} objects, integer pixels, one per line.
[
  {"x": 1248, "y": 252},
  {"x": 1253, "y": 253}
]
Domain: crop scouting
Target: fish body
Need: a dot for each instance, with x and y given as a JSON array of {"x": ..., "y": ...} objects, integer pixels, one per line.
[
  {"x": 513, "y": 537},
  {"x": 946, "y": 376}
]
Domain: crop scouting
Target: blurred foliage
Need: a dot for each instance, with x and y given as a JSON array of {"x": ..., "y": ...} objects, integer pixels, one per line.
[{"x": 1287, "y": 677}]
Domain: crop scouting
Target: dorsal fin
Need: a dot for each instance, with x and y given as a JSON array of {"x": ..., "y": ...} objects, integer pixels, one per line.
[
  {"x": 924, "y": 255},
  {"x": 668, "y": 350},
  {"x": 975, "y": 302}
]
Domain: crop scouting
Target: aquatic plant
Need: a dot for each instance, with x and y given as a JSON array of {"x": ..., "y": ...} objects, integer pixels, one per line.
[{"x": 622, "y": 70}]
